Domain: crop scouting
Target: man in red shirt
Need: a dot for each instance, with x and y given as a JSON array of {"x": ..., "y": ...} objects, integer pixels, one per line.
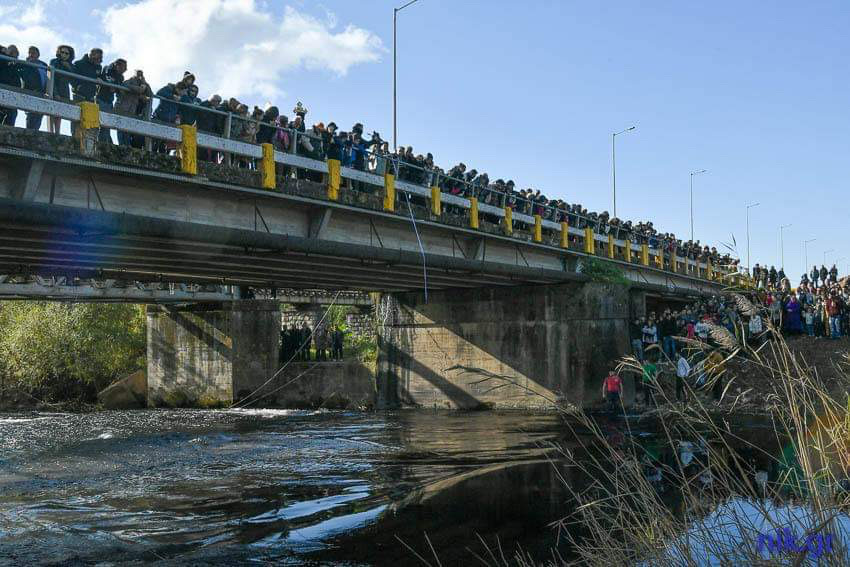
[{"x": 612, "y": 387}]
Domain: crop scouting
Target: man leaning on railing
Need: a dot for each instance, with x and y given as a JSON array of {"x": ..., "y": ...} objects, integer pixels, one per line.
[
  {"x": 89, "y": 66},
  {"x": 134, "y": 102},
  {"x": 34, "y": 77},
  {"x": 10, "y": 75}
]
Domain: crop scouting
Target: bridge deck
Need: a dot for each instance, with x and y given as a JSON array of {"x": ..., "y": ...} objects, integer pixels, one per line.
[{"x": 121, "y": 213}]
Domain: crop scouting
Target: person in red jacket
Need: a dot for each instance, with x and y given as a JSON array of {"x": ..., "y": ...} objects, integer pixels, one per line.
[{"x": 612, "y": 388}]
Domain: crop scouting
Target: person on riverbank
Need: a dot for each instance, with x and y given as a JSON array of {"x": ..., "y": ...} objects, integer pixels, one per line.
[
  {"x": 612, "y": 388},
  {"x": 650, "y": 370},
  {"x": 636, "y": 337},
  {"x": 683, "y": 370},
  {"x": 336, "y": 343}
]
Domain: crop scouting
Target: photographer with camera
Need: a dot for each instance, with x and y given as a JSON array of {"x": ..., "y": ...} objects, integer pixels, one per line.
[{"x": 133, "y": 102}]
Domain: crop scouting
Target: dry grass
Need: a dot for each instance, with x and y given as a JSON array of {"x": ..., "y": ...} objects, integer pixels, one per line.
[{"x": 620, "y": 515}]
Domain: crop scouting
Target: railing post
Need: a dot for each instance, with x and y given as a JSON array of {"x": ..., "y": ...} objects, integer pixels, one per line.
[
  {"x": 611, "y": 251},
  {"x": 473, "y": 212},
  {"x": 51, "y": 78},
  {"x": 228, "y": 122},
  {"x": 333, "y": 179},
  {"x": 589, "y": 241},
  {"x": 389, "y": 192},
  {"x": 188, "y": 149},
  {"x": 627, "y": 251},
  {"x": 538, "y": 228},
  {"x": 436, "y": 201},
  {"x": 267, "y": 173},
  {"x": 644, "y": 254},
  {"x": 509, "y": 221},
  {"x": 89, "y": 126},
  {"x": 565, "y": 234}
]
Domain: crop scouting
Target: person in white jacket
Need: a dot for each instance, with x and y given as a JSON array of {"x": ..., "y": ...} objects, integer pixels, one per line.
[{"x": 683, "y": 369}]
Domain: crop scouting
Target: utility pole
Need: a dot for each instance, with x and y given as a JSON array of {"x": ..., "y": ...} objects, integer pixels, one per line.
[
  {"x": 692, "y": 199},
  {"x": 614, "y": 164},
  {"x": 782, "y": 246},
  {"x": 395, "y": 66},
  {"x": 748, "y": 232}
]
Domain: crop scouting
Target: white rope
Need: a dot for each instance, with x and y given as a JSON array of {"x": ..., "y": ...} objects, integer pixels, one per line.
[{"x": 421, "y": 248}]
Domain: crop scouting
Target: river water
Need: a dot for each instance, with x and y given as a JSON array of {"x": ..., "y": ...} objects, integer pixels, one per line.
[{"x": 290, "y": 487}]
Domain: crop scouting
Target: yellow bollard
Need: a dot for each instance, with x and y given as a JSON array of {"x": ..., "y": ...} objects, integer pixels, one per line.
[
  {"x": 436, "y": 201},
  {"x": 89, "y": 125},
  {"x": 267, "y": 177},
  {"x": 189, "y": 149},
  {"x": 473, "y": 212},
  {"x": 644, "y": 254},
  {"x": 334, "y": 179},
  {"x": 538, "y": 228},
  {"x": 565, "y": 234},
  {"x": 389, "y": 192},
  {"x": 628, "y": 251},
  {"x": 589, "y": 241},
  {"x": 611, "y": 251},
  {"x": 509, "y": 221}
]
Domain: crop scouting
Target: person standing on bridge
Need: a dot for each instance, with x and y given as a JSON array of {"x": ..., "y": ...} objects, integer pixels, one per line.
[
  {"x": 85, "y": 90},
  {"x": 10, "y": 75},
  {"x": 113, "y": 74},
  {"x": 64, "y": 61},
  {"x": 35, "y": 80},
  {"x": 133, "y": 102}
]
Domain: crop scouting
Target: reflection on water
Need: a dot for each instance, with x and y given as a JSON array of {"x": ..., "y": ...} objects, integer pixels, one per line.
[{"x": 183, "y": 485}]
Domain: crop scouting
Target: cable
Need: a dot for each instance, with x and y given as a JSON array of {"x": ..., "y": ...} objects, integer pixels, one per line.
[
  {"x": 282, "y": 368},
  {"x": 421, "y": 249}
]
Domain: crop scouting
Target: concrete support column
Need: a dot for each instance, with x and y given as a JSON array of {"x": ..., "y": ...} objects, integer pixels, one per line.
[
  {"x": 210, "y": 354},
  {"x": 518, "y": 347}
]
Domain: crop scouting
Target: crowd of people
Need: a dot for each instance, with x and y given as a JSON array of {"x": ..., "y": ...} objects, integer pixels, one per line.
[
  {"x": 296, "y": 343},
  {"x": 682, "y": 344},
  {"x": 179, "y": 102}
]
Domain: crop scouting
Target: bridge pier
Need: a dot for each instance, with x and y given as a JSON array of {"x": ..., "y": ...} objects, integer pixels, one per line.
[
  {"x": 502, "y": 347},
  {"x": 210, "y": 354}
]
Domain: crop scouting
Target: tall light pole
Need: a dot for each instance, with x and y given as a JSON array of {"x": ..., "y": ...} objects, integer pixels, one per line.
[
  {"x": 782, "y": 246},
  {"x": 692, "y": 199},
  {"x": 614, "y": 163},
  {"x": 806, "y": 254},
  {"x": 750, "y": 206},
  {"x": 395, "y": 17}
]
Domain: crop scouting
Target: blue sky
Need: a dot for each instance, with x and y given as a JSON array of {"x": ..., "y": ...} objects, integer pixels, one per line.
[{"x": 755, "y": 93}]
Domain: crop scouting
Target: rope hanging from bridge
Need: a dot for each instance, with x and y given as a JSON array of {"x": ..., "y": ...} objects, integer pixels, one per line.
[{"x": 421, "y": 248}]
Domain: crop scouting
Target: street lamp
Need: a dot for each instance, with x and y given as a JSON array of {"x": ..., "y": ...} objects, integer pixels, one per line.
[
  {"x": 692, "y": 199},
  {"x": 806, "y": 254},
  {"x": 395, "y": 16},
  {"x": 748, "y": 232},
  {"x": 782, "y": 246},
  {"x": 614, "y": 163}
]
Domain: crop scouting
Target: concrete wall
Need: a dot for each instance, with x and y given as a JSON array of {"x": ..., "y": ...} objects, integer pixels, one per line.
[
  {"x": 203, "y": 354},
  {"x": 347, "y": 384},
  {"x": 500, "y": 347}
]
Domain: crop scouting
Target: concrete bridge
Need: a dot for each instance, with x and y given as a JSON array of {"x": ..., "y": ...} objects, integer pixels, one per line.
[{"x": 77, "y": 209}]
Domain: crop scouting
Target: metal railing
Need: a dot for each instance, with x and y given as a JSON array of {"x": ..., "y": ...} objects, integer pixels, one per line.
[{"x": 456, "y": 190}]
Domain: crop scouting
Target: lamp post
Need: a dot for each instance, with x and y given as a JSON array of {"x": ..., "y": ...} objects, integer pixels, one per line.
[
  {"x": 395, "y": 17},
  {"x": 614, "y": 163},
  {"x": 692, "y": 199},
  {"x": 806, "y": 254},
  {"x": 825, "y": 252},
  {"x": 782, "y": 246},
  {"x": 750, "y": 206}
]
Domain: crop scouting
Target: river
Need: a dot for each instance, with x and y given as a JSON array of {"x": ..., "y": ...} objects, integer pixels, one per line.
[{"x": 296, "y": 487}]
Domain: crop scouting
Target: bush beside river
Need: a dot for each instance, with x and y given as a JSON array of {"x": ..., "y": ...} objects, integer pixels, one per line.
[{"x": 52, "y": 352}]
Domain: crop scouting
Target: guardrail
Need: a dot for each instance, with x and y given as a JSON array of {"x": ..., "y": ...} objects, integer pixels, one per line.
[{"x": 581, "y": 235}]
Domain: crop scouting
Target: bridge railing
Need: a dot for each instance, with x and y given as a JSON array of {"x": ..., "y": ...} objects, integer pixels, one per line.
[{"x": 565, "y": 229}]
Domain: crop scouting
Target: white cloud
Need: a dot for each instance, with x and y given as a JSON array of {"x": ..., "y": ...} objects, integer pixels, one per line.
[
  {"x": 24, "y": 25},
  {"x": 234, "y": 47}
]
